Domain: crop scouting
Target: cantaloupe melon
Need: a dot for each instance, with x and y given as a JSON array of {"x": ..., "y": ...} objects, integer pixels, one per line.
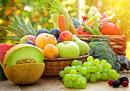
[{"x": 23, "y": 64}]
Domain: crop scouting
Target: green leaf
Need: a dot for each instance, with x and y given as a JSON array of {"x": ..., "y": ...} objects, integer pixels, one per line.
[
  {"x": 12, "y": 30},
  {"x": 12, "y": 38},
  {"x": 22, "y": 30},
  {"x": 117, "y": 66},
  {"x": 28, "y": 31},
  {"x": 30, "y": 27},
  {"x": 35, "y": 31},
  {"x": 18, "y": 20},
  {"x": 124, "y": 62},
  {"x": 13, "y": 23}
]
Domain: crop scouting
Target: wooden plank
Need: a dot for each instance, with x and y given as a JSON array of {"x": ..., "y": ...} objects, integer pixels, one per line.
[
  {"x": 31, "y": 87},
  {"x": 103, "y": 86},
  {"x": 51, "y": 85},
  {"x": 125, "y": 73},
  {"x": 6, "y": 85},
  {"x": 57, "y": 85}
]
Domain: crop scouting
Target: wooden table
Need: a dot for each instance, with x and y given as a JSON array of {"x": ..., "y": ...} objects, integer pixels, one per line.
[{"x": 53, "y": 84}]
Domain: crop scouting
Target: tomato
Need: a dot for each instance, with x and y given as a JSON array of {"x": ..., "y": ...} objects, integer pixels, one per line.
[
  {"x": 80, "y": 32},
  {"x": 111, "y": 29}
]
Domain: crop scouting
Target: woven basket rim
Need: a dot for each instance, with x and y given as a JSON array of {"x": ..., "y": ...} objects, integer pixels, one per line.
[
  {"x": 65, "y": 59},
  {"x": 99, "y": 35}
]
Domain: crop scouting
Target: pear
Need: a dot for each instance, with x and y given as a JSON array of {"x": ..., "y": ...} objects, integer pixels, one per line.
[
  {"x": 75, "y": 38},
  {"x": 83, "y": 46},
  {"x": 93, "y": 10}
]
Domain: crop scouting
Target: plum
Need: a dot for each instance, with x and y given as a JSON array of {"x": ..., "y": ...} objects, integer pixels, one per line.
[
  {"x": 42, "y": 31},
  {"x": 29, "y": 42},
  {"x": 56, "y": 32}
]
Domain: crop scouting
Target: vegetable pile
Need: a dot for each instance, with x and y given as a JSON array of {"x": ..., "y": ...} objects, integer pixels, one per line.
[
  {"x": 100, "y": 49},
  {"x": 100, "y": 25},
  {"x": 62, "y": 20}
]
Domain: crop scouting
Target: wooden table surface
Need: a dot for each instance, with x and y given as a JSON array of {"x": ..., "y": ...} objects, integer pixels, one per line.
[{"x": 53, "y": 84}]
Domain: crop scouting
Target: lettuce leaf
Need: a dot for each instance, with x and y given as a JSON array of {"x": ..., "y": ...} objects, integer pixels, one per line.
[{"x": 124, "y": 61}]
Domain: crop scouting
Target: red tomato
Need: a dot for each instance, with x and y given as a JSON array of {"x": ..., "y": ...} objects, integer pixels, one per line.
[
  {"x": 111, "y": 29},
  {"x": 80, "y": 32}
]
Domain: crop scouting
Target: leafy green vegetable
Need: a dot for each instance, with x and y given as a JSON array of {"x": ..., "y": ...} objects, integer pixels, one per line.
[
  {"x": 100, "y": 49},
  {"x": 124, "y": 61},
  {"x": 117, "y": 66}
]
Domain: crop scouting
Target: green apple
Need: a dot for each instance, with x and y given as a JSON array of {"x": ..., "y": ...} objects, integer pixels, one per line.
[
  {"x": 83, "y": 47},
  {"x": 68, "y": 49}
]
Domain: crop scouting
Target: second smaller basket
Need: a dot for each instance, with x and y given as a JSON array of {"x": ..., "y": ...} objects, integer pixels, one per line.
[{"x": 54, "y": 65}]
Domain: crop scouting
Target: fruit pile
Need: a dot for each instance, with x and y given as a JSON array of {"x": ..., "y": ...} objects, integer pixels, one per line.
[
  {"x": 33, "y": 46},
  {"x": 57, "y": 44},
  {"x": 93, "y": 69}
]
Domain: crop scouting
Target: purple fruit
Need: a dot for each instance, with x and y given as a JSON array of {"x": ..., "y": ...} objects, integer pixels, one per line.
[
  {"x": 29, "y": 42},
  {"x": 56, "y": 32},
  {"x": 42, "y": 31}
]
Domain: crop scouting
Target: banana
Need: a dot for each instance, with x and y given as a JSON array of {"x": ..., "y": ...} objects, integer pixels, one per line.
[
  {"x": 92, "y": 24},
  {"x": 89, "y": 21}
]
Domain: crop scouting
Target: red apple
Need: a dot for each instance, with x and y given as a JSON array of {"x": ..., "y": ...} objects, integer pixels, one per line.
[
  {"x": 27, "y": 38},
  {"x": 66, "y": 36}
]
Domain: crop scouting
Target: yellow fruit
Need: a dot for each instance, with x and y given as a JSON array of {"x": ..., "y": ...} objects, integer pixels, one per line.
[
  {"x": 51, "y": 51},
  {"x": 43, "y": 39}
]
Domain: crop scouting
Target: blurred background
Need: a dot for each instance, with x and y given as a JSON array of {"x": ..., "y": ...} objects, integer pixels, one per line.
[{"x": 76, "y": 8}]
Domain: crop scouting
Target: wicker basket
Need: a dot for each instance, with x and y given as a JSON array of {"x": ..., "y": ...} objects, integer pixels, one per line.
[
  {"x": 118, "y": 42},
  {"x": 54, "y": 66}
]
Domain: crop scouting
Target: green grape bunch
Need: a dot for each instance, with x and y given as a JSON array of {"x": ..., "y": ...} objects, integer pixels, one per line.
[{"x": 77, "y": 75}]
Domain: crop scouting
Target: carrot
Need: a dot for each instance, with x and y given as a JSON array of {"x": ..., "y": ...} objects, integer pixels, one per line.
[
  {"x": 61, "y": 23},
  {"x": 72, "y": 28}
]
